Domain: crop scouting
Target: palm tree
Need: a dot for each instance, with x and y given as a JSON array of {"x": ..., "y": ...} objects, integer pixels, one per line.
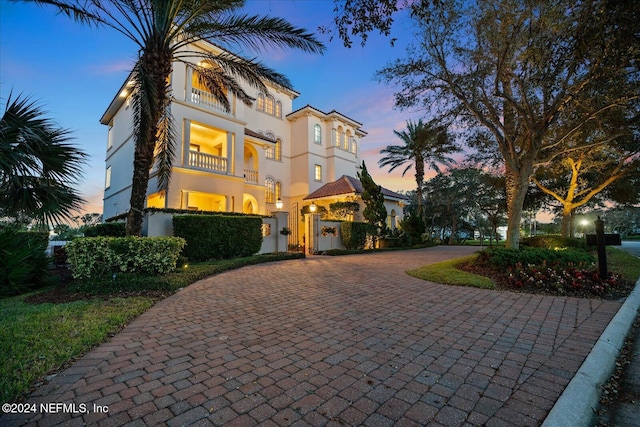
[
  {"x": 424, "y": 143},
  {"x": 38, "y": 168},
  {"x": 162, "y": 29}
]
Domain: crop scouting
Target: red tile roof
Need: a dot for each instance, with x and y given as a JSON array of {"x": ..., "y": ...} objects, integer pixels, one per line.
[{"x": 347, "y": 185}]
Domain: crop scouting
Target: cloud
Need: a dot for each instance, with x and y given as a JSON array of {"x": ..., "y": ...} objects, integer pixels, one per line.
[{"x": 110, "y": 68}]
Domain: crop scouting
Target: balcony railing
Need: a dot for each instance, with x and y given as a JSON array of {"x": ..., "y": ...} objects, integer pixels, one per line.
[
  {"x": 207, "y": 162},
  {"x": 250, "y": 176},
  {"x": 206, "y": 100}
]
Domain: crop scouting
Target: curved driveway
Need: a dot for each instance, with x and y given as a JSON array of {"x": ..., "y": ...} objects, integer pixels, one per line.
[{"x": 346, "y": 340}]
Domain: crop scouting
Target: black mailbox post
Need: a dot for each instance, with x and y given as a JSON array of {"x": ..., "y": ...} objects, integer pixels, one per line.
[{"x": 601, "y": 240}]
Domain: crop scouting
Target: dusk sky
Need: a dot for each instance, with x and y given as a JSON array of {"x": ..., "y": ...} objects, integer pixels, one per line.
[{"x": 74, "y": 71}]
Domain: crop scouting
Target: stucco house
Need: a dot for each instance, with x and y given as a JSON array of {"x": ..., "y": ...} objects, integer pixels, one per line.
[{"x": 242, "y": 161}]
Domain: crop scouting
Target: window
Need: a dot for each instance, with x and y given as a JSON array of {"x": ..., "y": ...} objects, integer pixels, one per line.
[
  {"x": 107, "y": 180},
  {"x": 271, "y": 151},
  {"x": 260, "y": 102},
  {"x": 110, "y": 136},
  {"x": 278, "y": 190},
  {"x": 354, "y": 147},
  {"x": 346, "y": 140},
  {"x": 270, "y": 190},
  {"x": 269, "y": 107},
  {"x": 318, "y": 173},
  {"x": 194, "y": 147},
  {"x": 279, "y": 109},
  {"x": 278, "y": 149},
  {"x": 317, "y": 134}
]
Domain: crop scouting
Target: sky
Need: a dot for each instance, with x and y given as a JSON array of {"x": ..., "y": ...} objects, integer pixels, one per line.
[{"x": 74, "y": 72}]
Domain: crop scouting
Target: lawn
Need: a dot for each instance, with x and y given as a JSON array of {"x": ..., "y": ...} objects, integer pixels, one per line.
[{"x": 40, "y": 338}]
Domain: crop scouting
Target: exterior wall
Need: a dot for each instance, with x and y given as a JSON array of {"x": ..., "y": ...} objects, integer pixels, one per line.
[{"x": 161, "y": 224}]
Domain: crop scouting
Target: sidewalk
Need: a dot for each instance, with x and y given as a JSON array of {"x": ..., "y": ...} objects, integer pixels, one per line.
[{"x": 334, "y": 341}]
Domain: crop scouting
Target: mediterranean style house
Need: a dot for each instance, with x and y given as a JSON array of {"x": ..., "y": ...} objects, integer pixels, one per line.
[{"x": 255, "y": 159}]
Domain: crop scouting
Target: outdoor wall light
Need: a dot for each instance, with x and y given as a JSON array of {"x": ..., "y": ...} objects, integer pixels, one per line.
[
  {"x": 312, "y": 207},
  {"x": 279, "y": 204}
]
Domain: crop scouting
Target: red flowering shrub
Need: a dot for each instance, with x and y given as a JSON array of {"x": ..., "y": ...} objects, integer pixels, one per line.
[{"x": 562, "y": 280}]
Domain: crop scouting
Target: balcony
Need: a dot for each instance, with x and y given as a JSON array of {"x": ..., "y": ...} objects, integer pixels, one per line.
[
  {"x": 207, "y": 162},
  {"x": 250, "y": 176},
  {"x": 206, "y": 100}
]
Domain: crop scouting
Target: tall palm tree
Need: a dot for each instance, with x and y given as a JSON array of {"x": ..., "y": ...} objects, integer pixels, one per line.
[
  {"x": 162, "y": 29},
  {"x": 424, "y": 143},
  {"x": 38, "y": 167}
]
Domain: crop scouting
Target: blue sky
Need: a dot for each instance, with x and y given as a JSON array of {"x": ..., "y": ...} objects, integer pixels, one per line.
[{"x": 74, "y": 71}]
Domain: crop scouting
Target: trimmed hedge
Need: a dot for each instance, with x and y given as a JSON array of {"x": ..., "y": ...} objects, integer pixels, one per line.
[
  {"x": 107, "y": 229},
  {"x": 174, "y": 280},
  {"x": 94, "y": 257},
  {"x": 499, "y": 258},
  {"x": 354, "y": 234},
  {"x": 23, "y": 260},
  {"x": 218, "y": 236}
]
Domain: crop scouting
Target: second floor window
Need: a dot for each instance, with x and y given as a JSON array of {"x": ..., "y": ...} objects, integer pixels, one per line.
[
  {"x": 318, "y": 173},
  {"x": 317, "y": 134},
  {"x": 260, "y": 102},
  {"x": 269, "y": 190}
]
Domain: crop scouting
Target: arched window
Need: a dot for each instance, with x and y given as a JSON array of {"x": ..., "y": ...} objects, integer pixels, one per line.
[
  {"x": 317, "y": 134},
  {"x": 278, "y": 190},
  {"x": 269, "y": 190},
  {"x": 271, "y": 150},
  {"x": 278, "y": 149},
  {"x": 340, "y": 136},
  {"x": 279, "y": 109},
  {"x": 261, "y": 102},
  {"x": 269, "y": 106},
  {"x": 346, "y": 141}
]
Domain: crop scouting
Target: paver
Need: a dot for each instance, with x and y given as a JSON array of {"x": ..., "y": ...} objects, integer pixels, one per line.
[{"x": 331, "y": 340}]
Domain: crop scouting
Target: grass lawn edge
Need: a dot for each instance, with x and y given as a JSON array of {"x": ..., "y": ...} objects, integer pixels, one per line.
[{"x": 446, "y": 273}]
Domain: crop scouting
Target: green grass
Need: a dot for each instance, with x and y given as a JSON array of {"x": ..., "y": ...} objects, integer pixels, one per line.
[
  {"x": 446, "y": 272},
  {"x": 36, "y": 339},
  {"x": 623, "y": 263}
]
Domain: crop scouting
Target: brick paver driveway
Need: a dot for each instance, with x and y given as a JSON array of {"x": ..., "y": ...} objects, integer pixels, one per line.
[{"x": 336, "y": 341}]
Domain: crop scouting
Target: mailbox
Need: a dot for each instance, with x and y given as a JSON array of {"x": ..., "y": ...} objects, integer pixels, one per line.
[{"x": 610, "y": 239}]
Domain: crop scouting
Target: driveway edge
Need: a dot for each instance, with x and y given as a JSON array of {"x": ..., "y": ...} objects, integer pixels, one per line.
[{"x": 576, "y": 405}]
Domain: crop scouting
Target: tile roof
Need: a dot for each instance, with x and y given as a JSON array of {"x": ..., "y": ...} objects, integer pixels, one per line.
[
  {"x": 249, "y": 132},
  {"x": 347, "y": 185}
]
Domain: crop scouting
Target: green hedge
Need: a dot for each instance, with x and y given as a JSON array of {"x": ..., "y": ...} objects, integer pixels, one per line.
[
  {"x": 498, "y": 257},
  {"x": 354, "y": 234},
  {"x": 23, "y": 260},
  {"x": 217, "y": 236},
  {"x": 93, "y": 257},
  {"x": 174, "y": 280},
  {"x": 107, "y": 229}
]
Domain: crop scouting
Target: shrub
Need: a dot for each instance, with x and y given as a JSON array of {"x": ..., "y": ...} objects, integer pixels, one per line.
[
  {"x": 23, "y": 260},
  {"x": 552, "y": 241},
  {"x": 108, "y": 229},
  {"x": 500, "y": 258},
  {"x": 93, "y": 257},
  {"x": 218, "y": 236},
  {"x": 354, "y": 234}
]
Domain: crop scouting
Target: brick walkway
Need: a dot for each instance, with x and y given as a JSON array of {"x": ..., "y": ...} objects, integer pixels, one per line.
[{"x": 333, "y": 341}]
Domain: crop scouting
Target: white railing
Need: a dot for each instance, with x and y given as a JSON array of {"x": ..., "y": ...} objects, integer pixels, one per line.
[
  {"x": 206, "y": 100},
  {"x": 207, "y": 161},
  {"x": 251, "y": 176}
]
